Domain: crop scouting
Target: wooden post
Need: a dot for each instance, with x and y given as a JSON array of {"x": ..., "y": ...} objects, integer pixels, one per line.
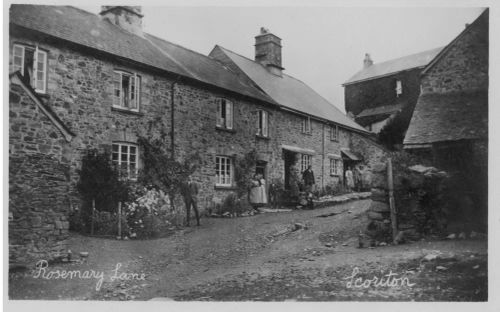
[
  {"x": 92, "y": 218},
  {"x": 120, "y": 219},
  {"x": 392, "y": 205}
]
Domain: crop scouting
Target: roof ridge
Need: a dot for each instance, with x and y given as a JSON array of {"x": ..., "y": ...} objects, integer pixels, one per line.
[{"x": 249, "y": 59}]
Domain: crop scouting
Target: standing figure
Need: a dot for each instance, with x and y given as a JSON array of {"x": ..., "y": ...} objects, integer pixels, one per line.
[
  {"x": 254, "y": 194},
  {"x": 263, "y": 191},
  {"x": 308, "y": 179},
  {"x": 349, "y": 178},
  {"x": 189, "y": 192}
]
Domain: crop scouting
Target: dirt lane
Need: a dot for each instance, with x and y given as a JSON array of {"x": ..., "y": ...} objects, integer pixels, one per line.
[{"x": 223, "y": 253}]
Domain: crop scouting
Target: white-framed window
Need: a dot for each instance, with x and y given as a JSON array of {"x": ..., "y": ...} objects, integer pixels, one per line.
[
  {"x": 399, "y": 88},
  {"x": 223, "y": 171},
  {"x": 126, "y": 90},
  {"x": 335, "y": 166},
  {"x": 224, "y": 113},
  {"x": 305, "y": 161},
  {"x": 263, "y": 123},
  {"x": 306, "y": 125},
  {"x": 334, "y": 133},
  {"x": 126, "y": 157},
  {"x": 32, "y": 63}
]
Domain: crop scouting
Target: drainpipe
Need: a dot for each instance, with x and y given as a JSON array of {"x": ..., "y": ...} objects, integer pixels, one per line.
[
  {"x": 172, "y": 120},
  {"x": 323, "y": 158}
]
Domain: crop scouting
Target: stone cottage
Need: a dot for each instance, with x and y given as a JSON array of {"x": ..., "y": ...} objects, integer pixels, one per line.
[
  {"x": 97, "y": 81},
  {"x": 380, "y": 91},
  {"x": 450, "y": 123}
]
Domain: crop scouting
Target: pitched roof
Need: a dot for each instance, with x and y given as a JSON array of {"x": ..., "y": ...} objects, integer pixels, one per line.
[
  {"x": 87, "y": 29},
  {"x": 17, "y": 79},
  {"x": 449, "y": 117},
  {"x": 290, "y": 92},
  {"x": 381, "y": 110},
  {"x": 377, "y": 70},
  {"x": 482, "y": 18}
]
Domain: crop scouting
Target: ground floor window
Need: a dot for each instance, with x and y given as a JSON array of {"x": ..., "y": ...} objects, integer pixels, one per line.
[
  {"x": 223, "y": 171},
  {"x": 305, "y": 161},
  {"x": 125, "y": 156},
  {"x": 335, "y": 166}
]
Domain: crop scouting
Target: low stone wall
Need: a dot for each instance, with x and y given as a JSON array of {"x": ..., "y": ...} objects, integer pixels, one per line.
[{"x": 38, "y": 208}]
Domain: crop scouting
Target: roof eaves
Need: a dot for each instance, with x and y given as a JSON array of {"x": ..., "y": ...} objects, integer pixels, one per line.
[{"x": 380, "y": 76}]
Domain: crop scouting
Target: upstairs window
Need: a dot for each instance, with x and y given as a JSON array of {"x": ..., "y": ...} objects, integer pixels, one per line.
[
  {"x": 334, "y": 133},
  {"x": 305, "y": 162},
  {"x": 224, "y": 114},
  {"x": 223, "y": 171},
  {"x": 127, "y": 91},
  {"x": 399, "y": 88},
  {"x": 125, "y": 157},
  {"x": 32, "y": 63},
  {"x": 262, "y": 123},
  {"x": 306, "y": 125}
]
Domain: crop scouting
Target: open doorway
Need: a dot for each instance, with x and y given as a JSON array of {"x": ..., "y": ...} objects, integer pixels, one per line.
[{"x": 290, "y": 159}]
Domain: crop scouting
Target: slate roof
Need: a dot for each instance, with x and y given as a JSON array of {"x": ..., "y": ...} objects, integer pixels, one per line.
[
  {"x": 381, "y": 110},
  {"x": 449, "y": 117},
  {"x": 87, "y": 29},
  {"x": 377, "y": 70},
  {"x": 290, "y": 92}
]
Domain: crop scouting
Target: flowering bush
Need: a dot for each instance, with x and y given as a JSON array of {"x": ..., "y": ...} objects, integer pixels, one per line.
[{"x": 151, "y": 213}]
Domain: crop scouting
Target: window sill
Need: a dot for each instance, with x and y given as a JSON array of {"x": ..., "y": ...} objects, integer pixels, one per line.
[
  {"x": 225, "y": 187},
  {"x": 42, "y": 95},
  {"x": 126, "y": 111},
  {"x": 334, "y": 140},
  {"x": 307, "y": 133},
  {"x": 334, "y": 175},
  {"x": 262, "y": 137},
  {"x": 225, "y": 129}
]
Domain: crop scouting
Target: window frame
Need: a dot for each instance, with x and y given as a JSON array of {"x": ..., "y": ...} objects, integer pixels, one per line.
[
  {"x": 305, "y": 161},
  {"x": 135, "y": 91},
  {"x": 335, "y": 169},
  {"x": 306, "y": 125},
  {"x": 399, "y": 87},
  {"x": 228, "y": 162},
  {"x": 225, "y": 123},
  {"x": 262, "y": 123},
  {"x": 334, "y": 129},
  {"x": 36, "y": 51},
  {"x": 119, "y": 161}
]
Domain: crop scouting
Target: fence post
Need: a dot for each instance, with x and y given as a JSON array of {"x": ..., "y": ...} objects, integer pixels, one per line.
[
  {"x": 92, "y": 218},
  {"x": 120, "y": 219},
  {"x": 392, "y": 205}
]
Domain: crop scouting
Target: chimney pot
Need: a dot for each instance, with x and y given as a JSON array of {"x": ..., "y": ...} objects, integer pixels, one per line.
[
  {"x": 268, "y": 51},
  {"x": 367, "y": 62},
  {"x": 128, "y": 18}
]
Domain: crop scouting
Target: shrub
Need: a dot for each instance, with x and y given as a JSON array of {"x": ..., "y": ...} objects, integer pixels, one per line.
[{"x": 98, "y": 180}]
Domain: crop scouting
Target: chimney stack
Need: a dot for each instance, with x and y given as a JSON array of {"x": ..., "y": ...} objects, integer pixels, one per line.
[
  {"x": 268, "y": 51},
  {"x": 128, "y": 18},
  {"x": 367, "y": 62}
]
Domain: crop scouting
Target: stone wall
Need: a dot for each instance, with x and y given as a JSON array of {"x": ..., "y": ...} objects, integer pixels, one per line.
[
  {"x": 80, "y": 89},
  {"x": 464, "y": 66},
  {"x": 38, "y": 182}
]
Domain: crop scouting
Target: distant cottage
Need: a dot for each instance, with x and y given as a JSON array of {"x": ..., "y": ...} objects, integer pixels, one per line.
[
  {"x": 379, "y": 92},
  {"x": 80, "y": 81}
]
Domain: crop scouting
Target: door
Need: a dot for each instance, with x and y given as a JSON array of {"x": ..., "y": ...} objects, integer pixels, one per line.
[{"x": 289, "y": 158}]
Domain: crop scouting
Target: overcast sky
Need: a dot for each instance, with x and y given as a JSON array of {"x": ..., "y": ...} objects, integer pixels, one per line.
[{"x": 322, "y": 46}]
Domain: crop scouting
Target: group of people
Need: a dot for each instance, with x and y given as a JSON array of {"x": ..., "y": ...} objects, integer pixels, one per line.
[{"x": 257, "y": 195}]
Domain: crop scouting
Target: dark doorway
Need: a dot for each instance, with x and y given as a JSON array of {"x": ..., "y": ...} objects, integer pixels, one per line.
[
  {"x": 260, "y": 168},
  {"x": 290, "y": 159}
]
